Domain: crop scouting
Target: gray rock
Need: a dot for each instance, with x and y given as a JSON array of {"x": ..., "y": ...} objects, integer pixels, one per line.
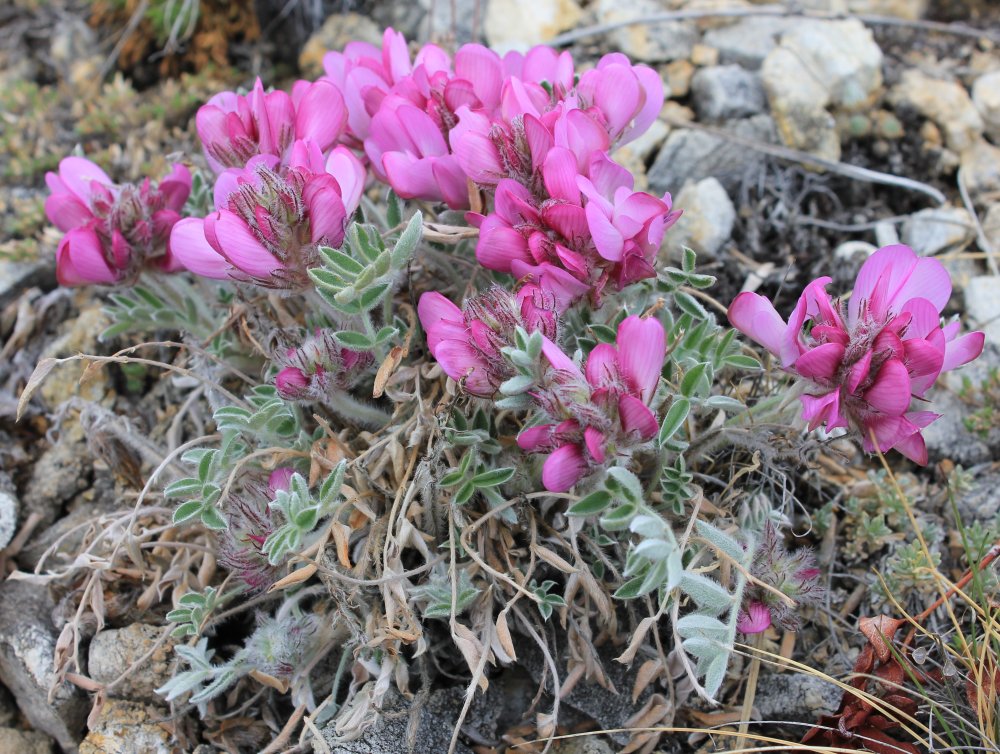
[
  {"x": 60, "y": 473},
  {"x": 114, "y": 651},
  {"x": 334, "y": 34},
  {"x": 9, "y": 509},
  {"x": 910, "y": 10},
  {"x": 938, "y": 229},
  {"x": 944, "y": 102},
  {"x": 8, "y": 709},
  {"x": 982, "y": 304},
  {"x": 852, "y": 250},
  {"x": 842, "y": 56},
  {"x": 886, "y": 234},
  {"x": 986, "y": 98},
  {"x": 17, "y": 277},
  {"x": 981, "y": 502},
  {"x": 24, "y": 742},
  {"x": 585, "y": 744},
  {"x": 796, "y": 697},
  {"x": 727, "y": 91},
  {"x": 433, "y": 730},
  {"x": 748, "y": 41},
  {"x": 707, "y": 222},
  {"x": 980, "y": 166},
  {"x": 818, "y": 65},
  {"x": 652, "y": 43},
  {"x": 27, "y": 649},
  {"x": 128, "y": 728},
  {"x": 948, "y": 437},
  {"x": 690, "y": 155}
]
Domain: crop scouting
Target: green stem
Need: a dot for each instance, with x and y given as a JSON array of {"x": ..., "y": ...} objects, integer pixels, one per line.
[{"x": 351, "y": 408}]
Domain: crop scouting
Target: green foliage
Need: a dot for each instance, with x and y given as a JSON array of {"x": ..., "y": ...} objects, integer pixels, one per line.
[
  {"x": 193, "y": 609},
  {"x": 547, "y": 601},
  {"x": 302, "y": 513},
  {"x": 436, "y": 595}
]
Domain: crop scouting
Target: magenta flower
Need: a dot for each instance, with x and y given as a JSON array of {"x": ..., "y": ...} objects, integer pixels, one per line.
[
  {"x": 113, "y": 231},
  {"x": 628, "y": 98},
  {"x": 317, "y": 367},
  {"x": 755, "y": 619},
  {"x": 867, "y": 365},
  {"x": 408, "y": 150},
  {"x": 269, "y": 225},
  {"x": 467, "y": 342},
  {"x": 601, "y": 415},
  {"x": 233, "y": 128}
]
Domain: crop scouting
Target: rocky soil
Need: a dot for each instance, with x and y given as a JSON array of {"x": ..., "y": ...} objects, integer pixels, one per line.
[{"x": 796, "y": 145}]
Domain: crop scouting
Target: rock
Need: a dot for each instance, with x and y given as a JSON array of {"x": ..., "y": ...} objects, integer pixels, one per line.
[
  {"x": 451, "y": 28},
  {"x": 798, "y": 104},
  {"x": 71, "y": 41},
  {"x": 585, "y": 744},
  {"x": 334, "y": 34},
  {"x": 17, "y": 277},
  {"x": 727, "y": 91},
  {"x": 27, "y": 649},
  {"x": 652, "y": 43},
  {"x": 748, "y": 41},
  {"x": 843, "y": 56},
  {"x": 433, "y": 731},
  {"x": 520, "y": 24},
  {"x": 980, "y": 504},
  {"x": 60, "y": 473},
  {"x": 635, "y": 154},
  {"x": 948, "y": 437},
  {"x": 982, "y": 305},
  {"x": 820, "y": 64},
  {"x": 9, "y": 508},
  {"x": 114, "y": 651},
  {"x": 795, "y": 697},
  {"x": 128, "y": 728},
  {"x": 991, "y": 227},
  {"x": 78, "y": 336},
  {"x": 8, "y": 709},
  {"x": 690, "y": 155},
  {"x": 678, "y": 73},
  {"x": 986, "y": 98},
  {"x": 707, "y": 222},
  {"x": 850, "y": 251},
  {"x": 24, "y": 742},
  {"x": 980, "y": 165},
  {"x": 910, "y": 10},
  {"x": 885, "y": 234},
  {"x": 944, "y": 102},
  {"x": 938, "y": 229},
  {"x": 703, "y": 55}
]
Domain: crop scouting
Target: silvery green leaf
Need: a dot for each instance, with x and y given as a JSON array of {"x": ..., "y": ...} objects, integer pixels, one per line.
[
  {"x": 725, "y": 403},
  {"x": 655, "y": 577},
  {"x": 708, "y": 593},
  {"x": 631, "y": 487},
  {"x": 514, "y": 402},
  {"x": 648, "y": 526},
  {"x": 676, "y": 415},
  {"x": 722, "y": 541},
  {"x": 408, "y": 240},
  {"x": 517, "y": 385},
  {"x": 715, "y": 674},
  {"x": 654, "y": 549},
  {"x": 704, "y": 648},
  {"x": 699, "y": 624},
  {"x": 675, "y": 568}
]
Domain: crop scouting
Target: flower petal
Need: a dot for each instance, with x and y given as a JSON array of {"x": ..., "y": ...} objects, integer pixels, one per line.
[
  {"x": 963, "y": 350},
  {"x": 564, "y": 467},
  {"x": 636, "y": 416},
  {"x": 641, "y": 350},
  {"x": 890, "y": 394},
  {"x": 189, "y": 246},
  {"x": 239, "y": 245},
  {"x": 755, "y": 316},
  {"x": 80, "y": 259},
  {"x": 820, "y": 364}
]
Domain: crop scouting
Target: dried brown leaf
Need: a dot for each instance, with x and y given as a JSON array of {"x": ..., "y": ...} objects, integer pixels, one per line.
[
  {"x": 553, "y": 559},
  {"x": 34, "y": 382}
]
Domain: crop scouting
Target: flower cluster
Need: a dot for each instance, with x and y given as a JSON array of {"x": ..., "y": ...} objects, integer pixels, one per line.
[
  {"x": 317, "y": 367},
  {"x": 113, "y": 231},
  {"x": 867, "y": 364},
  {"x": 601, "y": 415}
]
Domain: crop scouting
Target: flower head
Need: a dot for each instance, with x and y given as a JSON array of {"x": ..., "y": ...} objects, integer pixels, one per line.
[
  {"x": 316, "y": 367},
  {"x": 602, "y": 414},
  {"x": 271, "y": 221},
  {"x": 467, "y": 342},
  {"x": 113, "y": 231},
  {"x": 867, "y": 364},
  {"x": 233, "y": 128}
]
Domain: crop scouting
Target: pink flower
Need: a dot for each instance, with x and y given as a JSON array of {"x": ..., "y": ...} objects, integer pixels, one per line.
[
  {"x": 233, "y": 128},
  {"x": 755, "y": 619},
  {"x": 112, "y": 231},
  {"x": 602, "y": 414},
  {"x": 269, "y": 225},
  {"x": 867, "y": 364},
  {"x": 628, "y": 98},
  {"x": 317, "y": 367},
  {"x": 627, "y": 226},
  {"x": 407, "y": 149},
  {"x": 466, "y": 342}
]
